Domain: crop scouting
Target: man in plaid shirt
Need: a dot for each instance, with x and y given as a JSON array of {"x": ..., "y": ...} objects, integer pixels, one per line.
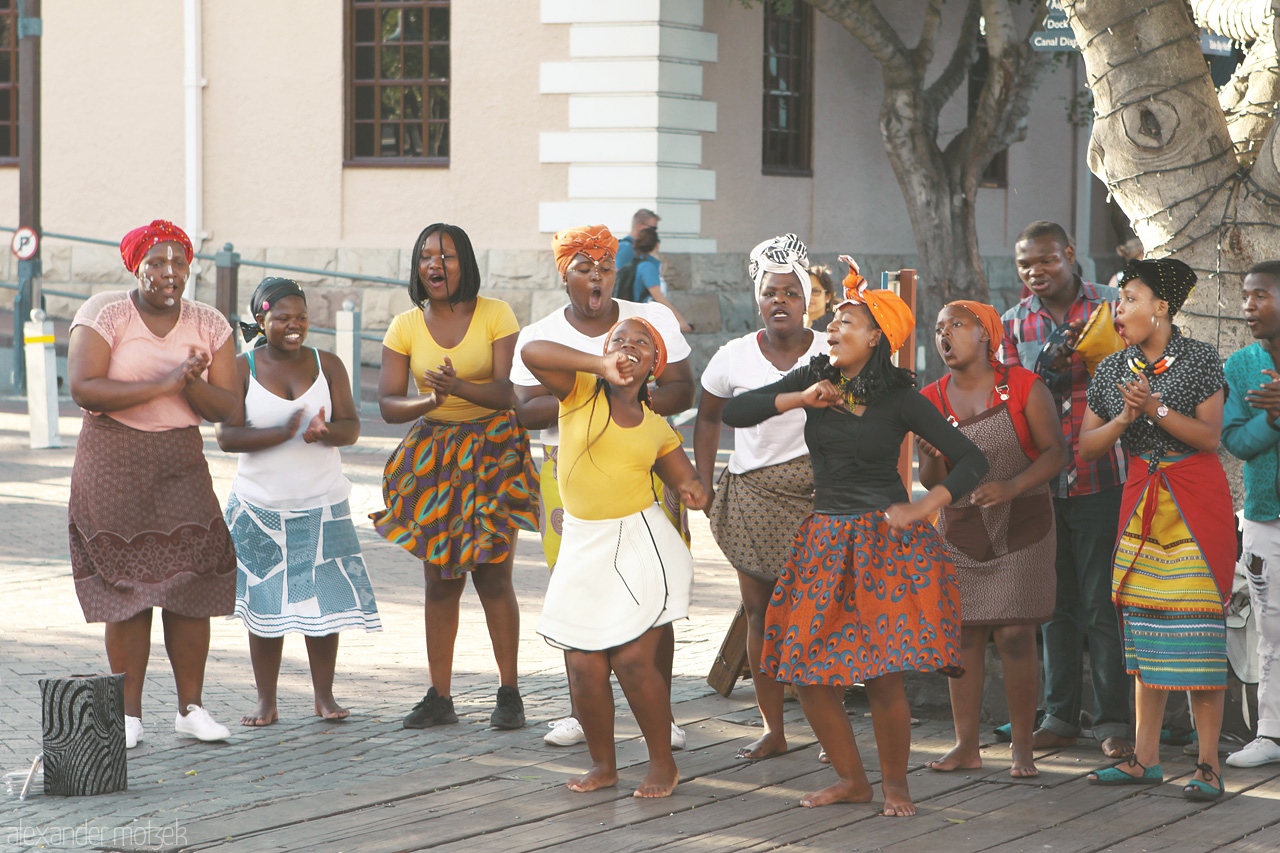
[{"x": 1086, "y": 499}]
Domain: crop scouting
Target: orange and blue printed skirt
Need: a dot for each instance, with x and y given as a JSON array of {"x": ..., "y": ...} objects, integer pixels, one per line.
[
  {"x": 456, "y": 492},
  {"x": 856, "y": 601}
]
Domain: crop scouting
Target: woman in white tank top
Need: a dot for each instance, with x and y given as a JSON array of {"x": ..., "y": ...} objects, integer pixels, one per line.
[{"x": 299, "y": 565}]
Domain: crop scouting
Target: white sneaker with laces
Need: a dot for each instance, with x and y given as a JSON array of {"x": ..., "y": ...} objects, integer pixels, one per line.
[
  {"x": 1255, "y": 753},
  {"x": 198, "y": 724},
  {"x": 678, "y": 740},
  {"x": 565, "y": 732},
  {"x": 132, "y": 731}
]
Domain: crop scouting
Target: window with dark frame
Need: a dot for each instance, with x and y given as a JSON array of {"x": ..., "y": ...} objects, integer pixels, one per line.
[
  {"x": 8, "y": 82},
  {"x": 397, "y": 100},
  {"x": 996, "y": 175},
  {"x": 788, "y": 91}
]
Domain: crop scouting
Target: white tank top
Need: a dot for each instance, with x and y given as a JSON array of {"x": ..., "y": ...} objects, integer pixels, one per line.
[{"x": 292, "y": 475}]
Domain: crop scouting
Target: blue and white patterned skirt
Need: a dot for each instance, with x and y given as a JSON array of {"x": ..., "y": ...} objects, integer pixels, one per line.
[{"x": 299, "y": 571}]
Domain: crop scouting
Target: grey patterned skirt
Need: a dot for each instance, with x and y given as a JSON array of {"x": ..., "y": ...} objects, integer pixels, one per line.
[{"x": 756, "y": 514}]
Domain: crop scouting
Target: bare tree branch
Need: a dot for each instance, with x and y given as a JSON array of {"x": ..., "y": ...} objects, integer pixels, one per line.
[
  {"x": 863, "y": 20},
  {"x": 941, "y": 90},
  {"x": 923, "y": 54},
  {"x": 1249, "y": 98},
  {"x": 1239, "y": 20},
  {"x": 1000, "y": 31}
]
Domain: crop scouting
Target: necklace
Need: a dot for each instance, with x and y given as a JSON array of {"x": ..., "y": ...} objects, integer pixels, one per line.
[
  {"x": 1137, "y": 365},
  {"x": 854, "y": 391}
]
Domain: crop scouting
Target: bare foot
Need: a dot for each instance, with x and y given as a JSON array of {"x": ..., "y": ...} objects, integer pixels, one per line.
[
  {"x": 658, "y": 782},
  {"x": 1045, "y": 739},
  {"x": 265, "y": 715},
  {"x": 840, "y": 792},
  {"x": 330, "y": 709},
  {"x": 596, "y": 778},
  {"x": 897, "y": 801},
  {"x": 1024, "y": 765},
  {"x": 1117, "y": 747},
  {"x": 771, "y": 744},
  {"x": 959, "y": 758}
]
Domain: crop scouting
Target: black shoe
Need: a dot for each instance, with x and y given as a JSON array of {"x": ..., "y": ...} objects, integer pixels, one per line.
[
  {"x": 510, "y": 711},
  {"x": 433, "y": 710}
]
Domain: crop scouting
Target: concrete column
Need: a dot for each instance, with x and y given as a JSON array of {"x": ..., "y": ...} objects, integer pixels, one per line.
[
  {"x": 346, "y": 344},
  {"x": 42, "y": 381}
]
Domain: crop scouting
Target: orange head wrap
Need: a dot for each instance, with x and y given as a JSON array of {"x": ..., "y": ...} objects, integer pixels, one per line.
[
  {"x": 659, "y": 345},
  {"x": 887, "y": 308},
  {"x": 594, "y": 241},
  {"x": 990, "y": 320}
]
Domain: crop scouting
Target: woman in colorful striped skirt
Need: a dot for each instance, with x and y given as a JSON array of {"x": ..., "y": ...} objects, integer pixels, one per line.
[
  {"x": 459, "y": 486},
  {"x": 1175, "y": 553}
]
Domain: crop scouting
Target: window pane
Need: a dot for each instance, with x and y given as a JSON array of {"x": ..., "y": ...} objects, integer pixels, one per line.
[
  {"x": 412, "y": 103},
  {"x": 438, "y": 102},
  {"x": 4, "y": 69},
  {"x": 364, "y": 100},
  {"x": 4, "y": 103},
  {"x": 364, "y": 64},
  {"x": 391, "y": 98},
  {"x": 390, "y": 63},
  {"x": 390, "y": 142},
  {"x": 364, "y": 140},
  {"x": 439, "y": 22},
  {"x": 413, "y": 25},
  {"x": 6, "y": 31},
  {"x": 438, "y": 63},
  {"x": 413, "y": 140},
  {"x": 438, "y": 139},
  {"x": 6, "y": 138},
  {"x": 365, "y": 28},
  {"x": 391, "y": 25},
  {"x": 412, "y": 63}
]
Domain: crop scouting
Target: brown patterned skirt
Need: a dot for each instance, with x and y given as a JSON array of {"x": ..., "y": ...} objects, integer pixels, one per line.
[
  {"x": 145, "y": 526},
  {"x": 756, "y": 514}
]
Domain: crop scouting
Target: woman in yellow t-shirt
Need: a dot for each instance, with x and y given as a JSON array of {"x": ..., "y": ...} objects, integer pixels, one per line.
[
  {"x": 623, "y": 571},
  {"x": 458, "y": 487}
]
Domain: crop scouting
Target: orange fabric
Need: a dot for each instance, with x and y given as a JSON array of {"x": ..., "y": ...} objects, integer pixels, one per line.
[
  {"x": 989, "y": 317},
  {"x": 659, "y": 345},
  {"x": 887, "y": 308},
  {"x": 594, "y": 241}
]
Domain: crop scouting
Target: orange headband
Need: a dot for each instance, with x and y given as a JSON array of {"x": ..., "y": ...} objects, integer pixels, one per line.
[
  {"x": 594, "y": 241},
  {"x": 990, "y": 320},
  {"x": 659, "y": 345},
  {"x": 887, "y": 308}
]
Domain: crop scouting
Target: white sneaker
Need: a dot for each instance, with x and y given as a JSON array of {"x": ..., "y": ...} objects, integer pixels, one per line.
[
  {"x": 1255, "y": 753},
  {"x": 564, "y": 732},
  {"x": 132, "y": 731},
  {"x": 678, "y": 740},
  {"x": 199, "y": 725}
]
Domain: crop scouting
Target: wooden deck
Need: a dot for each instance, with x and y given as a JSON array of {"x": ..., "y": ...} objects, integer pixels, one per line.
[{"x": 512, "y": 798}]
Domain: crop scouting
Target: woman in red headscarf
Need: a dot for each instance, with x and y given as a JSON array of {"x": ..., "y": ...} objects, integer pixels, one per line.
[
  {"x": 148, "y": 367},
  {"x": 868, "y": 592},
  {"x": 1001, "y": 537},
  {"x": 458, "y": 487},
  {"x": 624, "y": 573}
]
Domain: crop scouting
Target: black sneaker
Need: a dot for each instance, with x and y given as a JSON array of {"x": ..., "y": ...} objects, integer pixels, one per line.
[
  {"x": 433, "y": 710},
  {"x": 510, "y": 711}
]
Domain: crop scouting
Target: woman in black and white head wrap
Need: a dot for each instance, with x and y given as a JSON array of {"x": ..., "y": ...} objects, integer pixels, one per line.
[{"x": 767, "y": 488}]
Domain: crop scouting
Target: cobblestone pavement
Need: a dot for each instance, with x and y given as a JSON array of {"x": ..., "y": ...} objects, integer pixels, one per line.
[{"x": 380, "y": 675}]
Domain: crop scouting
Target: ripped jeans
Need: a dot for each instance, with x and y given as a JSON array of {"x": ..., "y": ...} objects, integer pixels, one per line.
[{"x": 1262, "y": 563}]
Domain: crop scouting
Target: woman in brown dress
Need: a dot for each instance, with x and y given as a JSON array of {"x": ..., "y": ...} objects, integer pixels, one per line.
[
  {"x": 1001, "y": 537},
  {"x": 148, "y": 367}
]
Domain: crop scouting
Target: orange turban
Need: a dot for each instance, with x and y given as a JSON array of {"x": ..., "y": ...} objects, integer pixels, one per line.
[
  {"x": 990, "y": 320},
  {"x": 594, "y": 241},
  {"x": 887, "y": 308},
  {"x": 659, "y": 345}
]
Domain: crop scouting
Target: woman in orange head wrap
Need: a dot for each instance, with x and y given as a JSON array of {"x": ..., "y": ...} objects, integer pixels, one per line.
[
  {"x": 868, "y": 591},
  {"x": 1003, "y": 548}
]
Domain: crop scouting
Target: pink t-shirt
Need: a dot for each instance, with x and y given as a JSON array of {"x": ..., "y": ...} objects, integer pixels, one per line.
[{"x": 138, "y": 355}]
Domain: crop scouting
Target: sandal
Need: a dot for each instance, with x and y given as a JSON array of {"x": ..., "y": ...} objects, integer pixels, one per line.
[
  {"x": 1113, "y": 775},
  {"x": 1203, "y": 792}
]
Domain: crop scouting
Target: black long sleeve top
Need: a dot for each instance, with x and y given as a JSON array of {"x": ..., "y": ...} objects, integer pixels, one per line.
[{"x": 855, "y": 457}]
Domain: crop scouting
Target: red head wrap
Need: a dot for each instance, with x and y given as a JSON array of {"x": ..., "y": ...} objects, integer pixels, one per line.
[
  {"x": 594, "y": 241},
  {"x": 990, "y": 320},
  {"x": 887, "y": 308},
  {"x": 139, "y": 241},
  {"x": 659, "y": 345}
]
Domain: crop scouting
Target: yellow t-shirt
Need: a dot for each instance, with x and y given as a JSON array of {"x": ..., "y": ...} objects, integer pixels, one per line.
[
  {"x": 472, "y": 358},
  {"x": 612, "y": 479}
]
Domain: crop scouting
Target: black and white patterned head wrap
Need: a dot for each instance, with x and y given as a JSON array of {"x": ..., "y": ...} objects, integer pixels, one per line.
[
  {"x": 1169, "y": 278},
  {"x": 784, "y": 254},
  {"x": 268, "y": 293}
]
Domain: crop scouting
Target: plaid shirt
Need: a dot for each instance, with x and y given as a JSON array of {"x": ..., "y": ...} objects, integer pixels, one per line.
[{"x": 1027, "y": 326}]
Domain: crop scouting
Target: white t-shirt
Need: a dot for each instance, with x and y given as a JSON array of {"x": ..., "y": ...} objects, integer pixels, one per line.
[
  {"x": 555, "y": 327},
  {"x": 739, "y": 366}
]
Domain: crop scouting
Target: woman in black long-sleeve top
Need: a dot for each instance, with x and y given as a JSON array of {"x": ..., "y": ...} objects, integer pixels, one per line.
[{"x": 868, "y": 592}]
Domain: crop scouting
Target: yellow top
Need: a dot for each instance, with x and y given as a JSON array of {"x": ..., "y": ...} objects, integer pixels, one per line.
[
  {"x": 472, "y": 358},
  {"x": 611, "y": 478}
]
